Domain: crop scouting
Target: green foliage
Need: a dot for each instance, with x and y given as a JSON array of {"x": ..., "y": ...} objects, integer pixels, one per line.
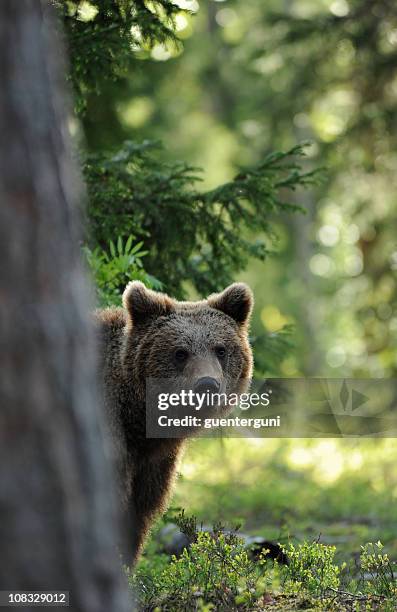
[
  {"x": 214, "y": 573},
  {"x": 200, "y": 237},
  {"x": 216, "y": 568},
  {"x": 378, "y": 575},
  {"x": 346, "y": 107},
  {"x": 194, "y": 239},
  {"x": 311, "y": 567},
  {"x": 270, "y": 349},
  {"x": 187, "y": 525},
  {"x": 218, "y": 572},
  {"x": 114, "y": 268},
  {"x": 256, "y": 76},
  {"x": 103, "y": 34}
]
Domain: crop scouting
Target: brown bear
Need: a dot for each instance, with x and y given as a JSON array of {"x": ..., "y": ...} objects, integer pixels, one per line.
[{"x": 155, "y": 336}]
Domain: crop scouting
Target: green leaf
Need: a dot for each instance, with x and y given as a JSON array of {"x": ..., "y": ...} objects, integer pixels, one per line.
[{"x": 128, "y": 244}]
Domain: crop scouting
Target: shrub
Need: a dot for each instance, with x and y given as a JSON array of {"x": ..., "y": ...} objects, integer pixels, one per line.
[
  {"x": 215, "y": 572},
  {"x": 114, "y": 268},
  {"x": 376, "y": 563},
  {"x": 311, "y": 567}
]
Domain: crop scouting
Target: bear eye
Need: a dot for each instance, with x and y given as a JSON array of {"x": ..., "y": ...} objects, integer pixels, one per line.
[
  {"x": 181, "y": 355},
  {"x": 220, "y": 352}
]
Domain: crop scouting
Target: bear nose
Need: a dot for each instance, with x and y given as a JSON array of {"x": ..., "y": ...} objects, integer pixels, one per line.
[{"x": 206, "y": 383}]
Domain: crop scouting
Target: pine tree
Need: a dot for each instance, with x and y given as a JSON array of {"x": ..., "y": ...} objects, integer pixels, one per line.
[{"x": 183, "y": 238}]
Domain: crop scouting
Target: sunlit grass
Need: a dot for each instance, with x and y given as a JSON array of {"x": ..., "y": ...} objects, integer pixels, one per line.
[{"x": 344, "y": 489}]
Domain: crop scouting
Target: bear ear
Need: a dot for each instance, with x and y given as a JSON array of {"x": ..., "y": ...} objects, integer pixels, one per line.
[
  {"x": 236, "y": 301},
  {"x": 142, "y": 303}
]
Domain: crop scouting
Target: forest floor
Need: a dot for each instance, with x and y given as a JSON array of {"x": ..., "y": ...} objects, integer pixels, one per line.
[{"x": 315, "y": 494}]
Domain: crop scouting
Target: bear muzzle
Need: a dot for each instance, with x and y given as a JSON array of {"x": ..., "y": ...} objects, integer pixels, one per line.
[{"x": 207, "y": 383}]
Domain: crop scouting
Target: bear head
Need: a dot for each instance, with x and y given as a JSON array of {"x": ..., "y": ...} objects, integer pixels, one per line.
[{"x": 204, "y": 344}]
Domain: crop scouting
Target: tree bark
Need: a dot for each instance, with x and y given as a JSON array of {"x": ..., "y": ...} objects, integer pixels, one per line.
[{"x": 57, "y": 513}]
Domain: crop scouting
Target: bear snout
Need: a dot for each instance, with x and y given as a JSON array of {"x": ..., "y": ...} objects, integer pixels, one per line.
[{"x": 207, "y": 383}]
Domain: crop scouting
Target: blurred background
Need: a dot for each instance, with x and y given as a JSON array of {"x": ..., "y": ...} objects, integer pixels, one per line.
[
  {"x": 253, "y": 77},
  {"x": 250, "y": 78}
]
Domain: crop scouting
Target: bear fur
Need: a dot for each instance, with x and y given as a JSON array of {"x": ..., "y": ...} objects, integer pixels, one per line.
[{"x": 155, "y": 336}]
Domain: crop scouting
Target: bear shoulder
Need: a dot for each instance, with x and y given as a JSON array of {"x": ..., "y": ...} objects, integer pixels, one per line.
[{"x": 110, "y": 324}]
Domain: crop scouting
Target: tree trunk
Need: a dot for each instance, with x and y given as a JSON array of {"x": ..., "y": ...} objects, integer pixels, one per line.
[{"x": 57, "y": 514}]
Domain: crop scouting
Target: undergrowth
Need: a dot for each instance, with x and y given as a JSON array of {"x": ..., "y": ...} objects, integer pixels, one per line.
[{"x": 217, "y": 571}]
